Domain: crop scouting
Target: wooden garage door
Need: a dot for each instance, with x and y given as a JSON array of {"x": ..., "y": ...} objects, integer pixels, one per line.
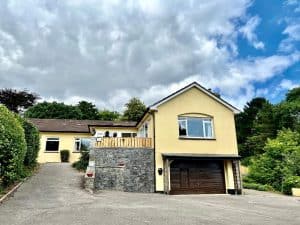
[{"x": 197, "y": 177}]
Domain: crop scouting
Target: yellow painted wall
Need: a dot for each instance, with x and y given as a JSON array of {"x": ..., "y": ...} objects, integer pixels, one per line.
[
  {"x": 192, "y": 102},
  {"x": 147, "y": 119},
  {"x": 66, "y": 141}
]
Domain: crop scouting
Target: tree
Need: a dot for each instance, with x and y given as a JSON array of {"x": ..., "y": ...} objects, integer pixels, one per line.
[
  {"x": 245, "y": 124},
  {"x": 17, "y": 101},
  {"x": 53, "y": 110},
  {"x": 264, "y": 127},
  {"x": 245, "y": 119},
  {"x": 87, "y": 110},
  {"x": 279, "y": 165},
  {"x": 109, "y": 115},
  {"x": 293, "y": 95},
  {"x": 135, "y": 108}
]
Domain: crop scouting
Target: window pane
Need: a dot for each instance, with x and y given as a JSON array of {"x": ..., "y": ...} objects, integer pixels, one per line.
[
  {"x": 195, "y": 127},
  {"x": 52, "y": 145},
  {"x": 182, "y": 127},
  {"x": 124, "y": 135},
  {"x": 208, "y": 129},
  {"x": 77, "y": 144}
]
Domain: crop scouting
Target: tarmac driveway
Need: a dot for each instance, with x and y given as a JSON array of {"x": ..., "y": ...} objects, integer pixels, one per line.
[{"x": 54, "y": 196}]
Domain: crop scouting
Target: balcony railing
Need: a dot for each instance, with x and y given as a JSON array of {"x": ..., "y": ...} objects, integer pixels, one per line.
[{"x": 130, "y": 142}]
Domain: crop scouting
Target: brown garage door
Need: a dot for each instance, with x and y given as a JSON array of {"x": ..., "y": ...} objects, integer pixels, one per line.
[{"x": 197, "y": 177}]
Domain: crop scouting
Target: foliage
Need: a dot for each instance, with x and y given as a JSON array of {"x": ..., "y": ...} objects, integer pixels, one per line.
[
  {"x": 259, "y": 187},
  {"x": 12, "y": 147},
  {"x": 53, "y": 110},
  {"x": 64, "y": 155},
  {"x": 254, "y": 126},
  {"x": 32, "y": 139},
  {"x": 83, "y": 161},
  {"x": 289, "y": 183},
  {"x": 279, "y": 161},
  {"x": 293, "y": 95},
  {"x": 88, "y": 111},
  {"x": 17, "y": 101},
  {"x": 135, "y": 108},
  {"x": 109, "y": 115}
]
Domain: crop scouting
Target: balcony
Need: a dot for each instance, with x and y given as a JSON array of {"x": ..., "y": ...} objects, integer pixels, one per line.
[{"x": 130, "y": 142}]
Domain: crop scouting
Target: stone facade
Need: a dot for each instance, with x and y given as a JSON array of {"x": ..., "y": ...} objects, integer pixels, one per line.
[{"x": 124, "y": 169}]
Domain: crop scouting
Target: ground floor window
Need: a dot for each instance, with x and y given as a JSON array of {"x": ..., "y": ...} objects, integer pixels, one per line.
[
  {"x": 77, "y": 144},
  {"x": 52, "y": 144},
  {"x": 124, "y": 135}
]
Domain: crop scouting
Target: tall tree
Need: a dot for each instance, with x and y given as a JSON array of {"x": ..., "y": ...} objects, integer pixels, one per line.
[
  {"x": 87, "y": 110},
  {"x": 17, "y": 101},
  {"x": 245, "y": 120},
  {"x": 109, "y": 115},
  {"x": 53, "y": 110},
  {"x": 135, "y": 108},
  {"x": 293, "y": 95}
]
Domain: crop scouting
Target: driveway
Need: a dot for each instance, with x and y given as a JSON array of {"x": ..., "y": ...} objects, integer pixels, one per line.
[{"x": 54, "y": 196}]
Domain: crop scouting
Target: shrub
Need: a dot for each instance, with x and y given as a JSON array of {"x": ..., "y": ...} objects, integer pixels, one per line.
[
  {"x": 259, "y": 187},
  {"x": 32, "y": 138},
  {"x": 279, "y": 162},
  {"x": 289, "y": 183},
  {"x": 12, "y": 147},
  {"x": 64, "y": 155},
  {"x": 83, "y": 161}
]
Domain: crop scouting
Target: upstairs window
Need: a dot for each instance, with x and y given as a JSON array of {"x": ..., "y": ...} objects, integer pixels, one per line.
[
  {"x": 195, "y": 127},
  {"x": 52, "y": 144}
]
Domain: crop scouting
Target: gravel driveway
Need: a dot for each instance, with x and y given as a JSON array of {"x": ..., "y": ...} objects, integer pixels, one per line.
[{"x": 54, "y": 196}]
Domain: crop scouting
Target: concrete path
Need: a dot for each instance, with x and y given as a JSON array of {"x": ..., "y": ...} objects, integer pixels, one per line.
[{"x": 54, "y": 196}]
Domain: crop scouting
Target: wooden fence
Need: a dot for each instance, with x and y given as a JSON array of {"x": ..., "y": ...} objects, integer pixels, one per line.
[{"x": 130, "y": 142}]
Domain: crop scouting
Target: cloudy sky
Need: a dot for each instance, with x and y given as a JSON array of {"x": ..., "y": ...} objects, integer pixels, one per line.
[{"x": 109, "y": 51}]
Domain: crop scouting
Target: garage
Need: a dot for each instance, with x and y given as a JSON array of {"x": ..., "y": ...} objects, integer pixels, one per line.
[{"x": 197, "y": 177}]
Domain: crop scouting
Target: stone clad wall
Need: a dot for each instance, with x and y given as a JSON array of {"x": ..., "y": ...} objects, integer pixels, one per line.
[{"x": 124, "y": 169}]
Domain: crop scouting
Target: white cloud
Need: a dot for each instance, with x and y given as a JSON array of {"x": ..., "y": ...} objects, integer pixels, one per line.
[
  {"x": 286, "y": 84},
  {"x": 109, "y": 51},
  {"x": 248, "y": 31}
]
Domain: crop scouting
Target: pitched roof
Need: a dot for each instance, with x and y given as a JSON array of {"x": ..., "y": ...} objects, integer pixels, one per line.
[
  {"x": 76, "y": 126},
  {"x": 201, "y": 88}
]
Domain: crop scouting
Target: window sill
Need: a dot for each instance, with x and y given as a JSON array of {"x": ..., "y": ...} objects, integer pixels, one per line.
[
  {"x": 197, "y": 138},
  {"x": 76, "y": 152},
  {"x": 51, "y": 151}
]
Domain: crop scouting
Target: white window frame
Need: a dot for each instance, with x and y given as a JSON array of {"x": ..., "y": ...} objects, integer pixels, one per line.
[
  {"x": 77, "y": 140},
  {"x": 52, "y": 140},
  {"x": 205, "y": 120}
]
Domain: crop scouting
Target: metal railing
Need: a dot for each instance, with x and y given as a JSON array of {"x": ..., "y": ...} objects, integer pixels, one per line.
[{"x": 126, "y": 142}]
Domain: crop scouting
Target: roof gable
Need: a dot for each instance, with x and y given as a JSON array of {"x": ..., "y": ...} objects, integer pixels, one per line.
[{"x": 200, "y": 88}]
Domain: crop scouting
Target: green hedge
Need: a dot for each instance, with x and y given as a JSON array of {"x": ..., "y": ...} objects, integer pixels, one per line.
[
  {"x": 32, "y": 138},
  {"x": 12, "y": 147},
  {"x": 64, "y": 155}
]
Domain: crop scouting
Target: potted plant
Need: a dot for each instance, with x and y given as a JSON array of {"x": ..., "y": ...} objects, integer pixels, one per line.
[{"x": 64, "y": 155}]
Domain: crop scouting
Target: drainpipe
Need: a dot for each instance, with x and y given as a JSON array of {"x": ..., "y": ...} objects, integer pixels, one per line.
[{"x": 154, "y": 154}]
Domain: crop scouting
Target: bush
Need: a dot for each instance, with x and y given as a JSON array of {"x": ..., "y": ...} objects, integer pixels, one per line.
[
  {"x": 32, "y": 138},
  {"x": 259, "y": 187},
  {"x": 64, "y": 155},
  {"x": 12, "y": 147},
  {"x": 83, "y": 160},
  {"x": 289, "y": 183},
  {"x": 279, "y": 162}
]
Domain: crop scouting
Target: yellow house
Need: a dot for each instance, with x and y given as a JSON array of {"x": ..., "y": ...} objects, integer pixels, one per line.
[{"x": 190, "y": 133}]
